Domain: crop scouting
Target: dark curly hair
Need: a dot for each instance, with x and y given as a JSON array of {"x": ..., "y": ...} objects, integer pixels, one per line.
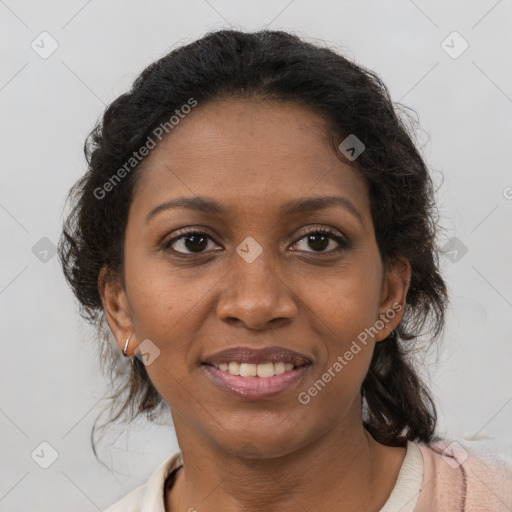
[{"x": 354, "y": 100}]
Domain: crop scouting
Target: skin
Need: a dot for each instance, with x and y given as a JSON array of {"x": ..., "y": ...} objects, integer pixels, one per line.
[{"x": 252, "y": 156}]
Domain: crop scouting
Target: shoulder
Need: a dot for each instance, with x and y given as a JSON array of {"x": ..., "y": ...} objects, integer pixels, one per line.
[
  {"x": 149, "y": 497},
  {"x": 464, "y": 476},
  {"x": 130, "y": 503}
]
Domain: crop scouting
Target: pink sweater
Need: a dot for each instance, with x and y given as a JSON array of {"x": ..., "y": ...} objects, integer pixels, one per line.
[{"x": 458, "y": 479}]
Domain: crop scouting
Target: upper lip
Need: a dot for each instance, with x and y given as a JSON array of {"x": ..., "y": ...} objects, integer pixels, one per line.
[{"x": 258, "y": 356}]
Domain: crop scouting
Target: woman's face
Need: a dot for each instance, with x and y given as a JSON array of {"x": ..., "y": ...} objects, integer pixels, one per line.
[{"x": 256, "y": 274}]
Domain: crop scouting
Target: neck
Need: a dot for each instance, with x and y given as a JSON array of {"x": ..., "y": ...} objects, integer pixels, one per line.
[{"x": 344, "y": 469}]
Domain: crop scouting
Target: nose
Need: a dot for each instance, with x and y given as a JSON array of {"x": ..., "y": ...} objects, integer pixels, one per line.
[{"x": 256, "y": 295}]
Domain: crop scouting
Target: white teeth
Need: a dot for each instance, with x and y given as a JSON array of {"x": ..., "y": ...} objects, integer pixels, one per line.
[
  {"x": 265, "y": 370},
  {"x": 234, "y": 368},
  {"x": 279, "y": 368},
  {"x": 253, "y": 370},
  {"x": 248, "y": 370}
]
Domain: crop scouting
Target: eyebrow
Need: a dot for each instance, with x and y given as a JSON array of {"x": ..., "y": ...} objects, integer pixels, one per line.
[{"x": 291, "y": 208}]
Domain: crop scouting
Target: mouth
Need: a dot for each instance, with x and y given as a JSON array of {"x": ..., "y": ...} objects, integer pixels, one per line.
[
  {"x": 253, "y": 374},
  {"x": 261, "y": 370}
]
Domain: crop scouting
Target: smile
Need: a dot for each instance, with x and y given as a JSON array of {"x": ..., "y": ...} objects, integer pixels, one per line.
[
  {"x": 255, "y": 370},
  {"x": 256, "y": 374}
]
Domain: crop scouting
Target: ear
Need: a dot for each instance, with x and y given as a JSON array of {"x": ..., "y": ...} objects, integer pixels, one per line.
[
  {"x": 395, "y": 285},
  {"x": 117, "y": 309}
]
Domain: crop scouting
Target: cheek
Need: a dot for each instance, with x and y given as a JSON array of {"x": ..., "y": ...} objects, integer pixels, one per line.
[
  {"x": 165, "y": 305},
  {"x": 161, "y": 295},
  {"x": 347, "y": 301},
  {"x": 344, "y": 361},
  {"x": 344, "y": 320}
]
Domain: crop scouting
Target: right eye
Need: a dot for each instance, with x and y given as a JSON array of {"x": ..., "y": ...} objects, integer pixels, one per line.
[{"x": 193, "y": 241}]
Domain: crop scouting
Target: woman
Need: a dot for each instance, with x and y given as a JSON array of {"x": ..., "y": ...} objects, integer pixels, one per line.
[{"x": 258, "y": 229}]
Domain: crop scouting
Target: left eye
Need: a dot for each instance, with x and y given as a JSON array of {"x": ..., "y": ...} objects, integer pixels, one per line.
[{"x": 320, "y": 239}]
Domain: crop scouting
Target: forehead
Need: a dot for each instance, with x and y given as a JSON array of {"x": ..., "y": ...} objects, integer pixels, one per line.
[{"x": 248, "y": 152}]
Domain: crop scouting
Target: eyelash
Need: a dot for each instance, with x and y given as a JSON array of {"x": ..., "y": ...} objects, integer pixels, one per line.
[{"x": 166, "y": 246}]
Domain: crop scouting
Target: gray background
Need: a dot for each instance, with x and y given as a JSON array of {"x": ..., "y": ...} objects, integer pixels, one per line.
[{"x": 51, "y": 389}]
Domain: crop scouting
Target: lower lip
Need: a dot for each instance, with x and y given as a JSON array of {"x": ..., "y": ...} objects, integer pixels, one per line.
[{"x": 256, "y": 388}]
